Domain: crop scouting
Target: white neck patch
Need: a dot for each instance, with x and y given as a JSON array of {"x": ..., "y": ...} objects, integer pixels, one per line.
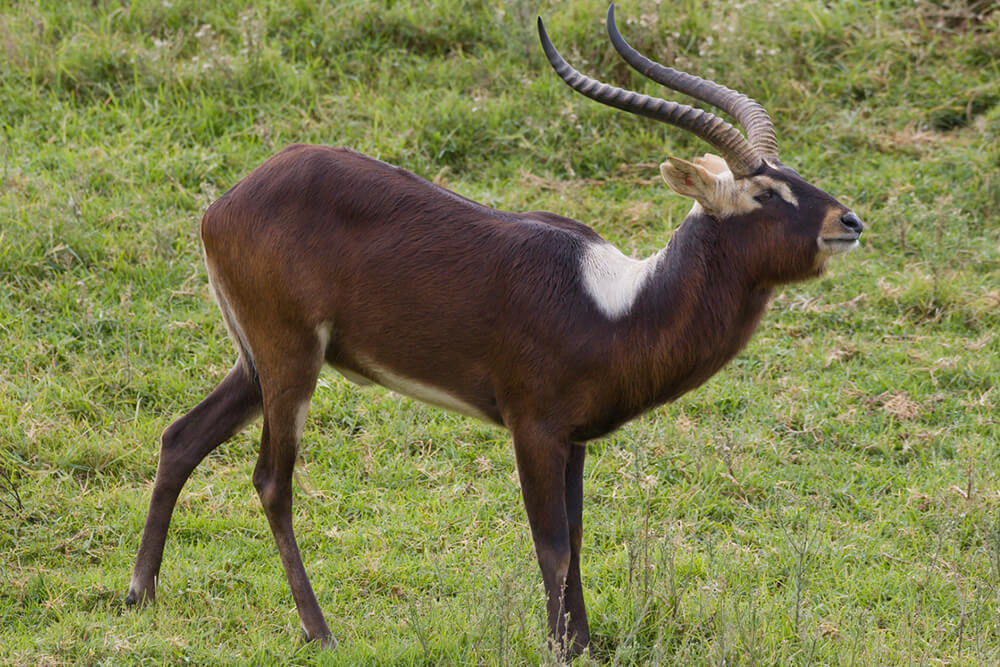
[{"x": 612, "y": 280}]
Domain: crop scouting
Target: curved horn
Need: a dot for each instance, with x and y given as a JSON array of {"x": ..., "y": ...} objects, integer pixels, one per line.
[
  {"x": 742, "y": 159},
  {"x": 748, "y": 112}
]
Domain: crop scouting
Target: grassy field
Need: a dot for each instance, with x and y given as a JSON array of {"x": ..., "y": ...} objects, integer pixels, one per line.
[{"x": 831, "y": 497}]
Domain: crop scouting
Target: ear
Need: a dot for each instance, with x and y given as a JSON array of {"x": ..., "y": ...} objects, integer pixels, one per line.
[
  {"x": 713, "y": 163},
  {"x": 690, "y": 180}
]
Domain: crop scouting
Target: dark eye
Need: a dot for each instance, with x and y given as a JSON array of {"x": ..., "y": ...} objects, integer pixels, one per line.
[{"x": 764, "y": 196}]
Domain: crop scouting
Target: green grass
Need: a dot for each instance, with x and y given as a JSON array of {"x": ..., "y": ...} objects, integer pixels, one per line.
[{"x": 831, "y": 497}]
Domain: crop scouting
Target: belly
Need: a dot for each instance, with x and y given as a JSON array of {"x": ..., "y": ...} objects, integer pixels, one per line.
[{"x": 371, "y": 373}]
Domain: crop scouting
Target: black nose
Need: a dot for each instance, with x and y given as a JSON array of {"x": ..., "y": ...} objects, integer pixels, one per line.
[{"x": 852, "y": 222}]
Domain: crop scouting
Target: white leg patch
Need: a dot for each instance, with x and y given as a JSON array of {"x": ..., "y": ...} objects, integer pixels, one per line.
[
  {"x": 323, "y": 332},
  {"x": 300, "y": 418}
]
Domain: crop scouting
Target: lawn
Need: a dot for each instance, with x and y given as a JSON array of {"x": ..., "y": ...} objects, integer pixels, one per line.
[{"x": 830, "y": 497}]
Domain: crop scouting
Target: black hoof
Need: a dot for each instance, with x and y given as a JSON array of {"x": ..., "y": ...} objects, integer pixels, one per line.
[{"x": 326, "y": 642}]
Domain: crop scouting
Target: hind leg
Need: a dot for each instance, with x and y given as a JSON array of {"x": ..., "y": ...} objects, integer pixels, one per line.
[
  {"x": 230, "y": 406},
  {"x": 288, "y": 381}
]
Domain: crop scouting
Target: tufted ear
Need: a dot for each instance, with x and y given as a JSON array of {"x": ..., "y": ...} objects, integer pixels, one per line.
[
  {"x": 690, "y": 180},
  {"x": 713, "y": 163}
]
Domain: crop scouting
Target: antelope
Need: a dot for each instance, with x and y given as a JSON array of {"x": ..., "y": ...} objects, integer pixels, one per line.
[{"x": 530, "y": 321}]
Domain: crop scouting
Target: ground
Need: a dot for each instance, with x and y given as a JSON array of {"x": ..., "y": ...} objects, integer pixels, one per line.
[{"x": 830, "y": 497}]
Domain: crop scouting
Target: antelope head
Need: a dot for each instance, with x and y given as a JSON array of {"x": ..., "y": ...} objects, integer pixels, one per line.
[{"x": 793, "y": 226}]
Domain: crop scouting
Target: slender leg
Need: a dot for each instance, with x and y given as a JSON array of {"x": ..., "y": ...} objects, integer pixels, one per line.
[
  {"x": 184, "y": 444},
  {"x": 288, "y": 387},
  {"x": 542, "y": 463},
  {"x": 578, "y": 626}
]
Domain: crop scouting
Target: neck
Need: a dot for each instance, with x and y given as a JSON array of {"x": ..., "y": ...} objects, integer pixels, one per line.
[{"x": 699, "y": 308}]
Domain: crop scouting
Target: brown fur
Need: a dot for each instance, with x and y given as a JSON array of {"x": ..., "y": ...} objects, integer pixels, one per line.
[{"x": 325, "y": 255}]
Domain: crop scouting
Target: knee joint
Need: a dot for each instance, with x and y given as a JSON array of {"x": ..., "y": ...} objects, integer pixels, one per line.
[
  {"x": 272, "y": 495},
  {"x": 555, "y": 560},
  {"x": 576, "y": 536},
  {"x": 170, "y": 438}
]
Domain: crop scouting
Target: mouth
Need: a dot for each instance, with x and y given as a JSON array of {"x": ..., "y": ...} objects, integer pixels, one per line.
[{"x": 835, "y": 245}]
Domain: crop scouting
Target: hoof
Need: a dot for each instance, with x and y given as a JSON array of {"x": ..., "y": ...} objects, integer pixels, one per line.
[
  {"x": 135, "y": 599},
  {"x": 323, "y": 641}
]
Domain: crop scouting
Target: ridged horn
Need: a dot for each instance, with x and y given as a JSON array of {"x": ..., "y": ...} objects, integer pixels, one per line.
[
  {"x": 742, "y": 159},
  {"x": 747, "y": 111}
]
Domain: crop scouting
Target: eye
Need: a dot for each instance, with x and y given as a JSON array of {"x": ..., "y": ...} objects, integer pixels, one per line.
[{"x": 764, "y": 196}]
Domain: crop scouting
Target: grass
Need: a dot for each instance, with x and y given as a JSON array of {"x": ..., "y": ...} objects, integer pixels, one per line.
[{"x": 831, "y": 497}]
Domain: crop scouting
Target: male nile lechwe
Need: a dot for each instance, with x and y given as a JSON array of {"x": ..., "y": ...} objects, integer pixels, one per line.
[{"x": 530, "y": 321}]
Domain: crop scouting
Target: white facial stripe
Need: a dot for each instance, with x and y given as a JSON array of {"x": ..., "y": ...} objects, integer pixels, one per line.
[
  {"x": 613, "y": 280},
  {"x": 725, "y": 196},
  {"x": 785, "y": 192},
  {"x": 734, "y": 197},
  {"x": 730, "y": 197}
]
